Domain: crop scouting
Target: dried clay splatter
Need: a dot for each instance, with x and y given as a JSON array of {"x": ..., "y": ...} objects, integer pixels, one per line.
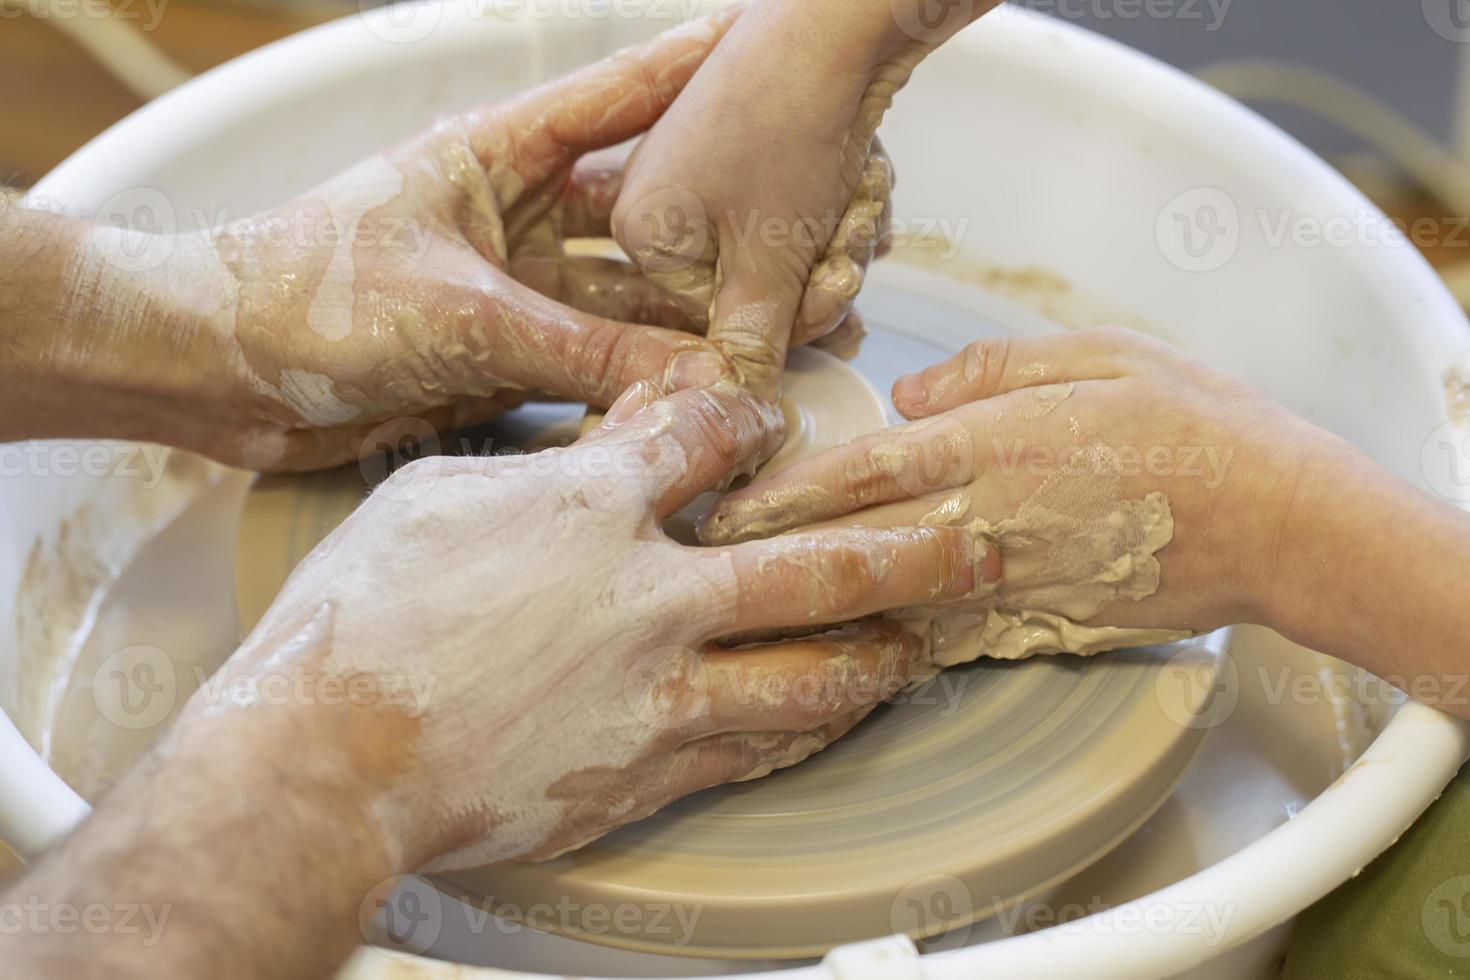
[{"x": 1071, "y": 549}]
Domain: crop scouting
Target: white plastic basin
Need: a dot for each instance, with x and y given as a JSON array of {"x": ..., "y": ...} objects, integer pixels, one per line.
[{"x": 1038, "y": 146}]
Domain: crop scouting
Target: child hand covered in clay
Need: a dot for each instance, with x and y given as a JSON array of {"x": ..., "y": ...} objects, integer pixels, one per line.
[
  {"x": 794, "y": 94},
  {"x": 1134, "y": 495},
  {"x": 429, "y": 281}
]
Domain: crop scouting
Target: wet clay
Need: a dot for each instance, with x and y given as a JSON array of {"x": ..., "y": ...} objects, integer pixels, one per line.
[
  {"x": 1070, "y": 550},
  {"x": 1457, "y": 393}
]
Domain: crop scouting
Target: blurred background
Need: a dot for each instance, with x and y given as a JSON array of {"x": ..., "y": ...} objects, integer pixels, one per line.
[{"x": 1376, "y": 87}]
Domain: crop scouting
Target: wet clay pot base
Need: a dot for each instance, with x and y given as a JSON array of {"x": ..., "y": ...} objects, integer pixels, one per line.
[
  {"x": 826, "y": 403},
  {"x": 991, "y": 782}
]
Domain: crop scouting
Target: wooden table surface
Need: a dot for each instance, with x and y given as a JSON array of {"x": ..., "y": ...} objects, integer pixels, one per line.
[{"x": 54, "y": 96}]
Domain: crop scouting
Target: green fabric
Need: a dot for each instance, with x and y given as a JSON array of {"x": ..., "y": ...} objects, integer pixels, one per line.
[{"x": 1406, "y": 916}]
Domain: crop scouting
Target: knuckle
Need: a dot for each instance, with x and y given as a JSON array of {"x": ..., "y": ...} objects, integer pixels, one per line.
[
  {"x": 602, "y": 358},
  {"x": 1115, "y": 339},
  {"x": 867, "y": 478},
  {"x": 847, "y": 574},
  {"x": 717, "y": 423},
  {"x": 983, "y": 365}
]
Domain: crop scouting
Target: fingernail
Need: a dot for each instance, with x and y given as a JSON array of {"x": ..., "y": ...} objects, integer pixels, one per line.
[
  {"x": 909, "y": 394},
  {"x": 695, "y": 369},
  {"x": 987, "y": 564},
  {"x": 639, "y": 396}
]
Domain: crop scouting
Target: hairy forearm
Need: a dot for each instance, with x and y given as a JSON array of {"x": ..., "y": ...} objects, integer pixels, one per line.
[
  {"x": 90, "y": 317},
  {"x": 1374, "y": 572},
  {"x": 244, "y": 847}
]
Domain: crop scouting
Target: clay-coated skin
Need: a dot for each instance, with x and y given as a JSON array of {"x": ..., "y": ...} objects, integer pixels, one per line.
[
  {"x": 429, "y": 281},
  {"x": 1275, "y": 521},
  {"x": 538, "y": 594},
  {"x": 795, "y": 94},
  {"x": 980, "y": 446},
  {"x": 536, "y": 664}
]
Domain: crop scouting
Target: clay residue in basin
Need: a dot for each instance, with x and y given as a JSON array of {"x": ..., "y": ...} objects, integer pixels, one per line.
[
  {"x": 1457, "y": 393},
  {"x": 64, "y": 586},
  {"x": 1043, "y": 291}
]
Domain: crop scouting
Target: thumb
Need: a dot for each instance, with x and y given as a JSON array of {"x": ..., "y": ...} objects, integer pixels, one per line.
[
  {"x": 758, "y": 295},
  {"x": 541, "y": 345}
]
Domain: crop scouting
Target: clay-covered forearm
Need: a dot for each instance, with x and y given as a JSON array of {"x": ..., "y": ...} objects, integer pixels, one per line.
[
  {"x": 1373, "y": 570},
  {"x": 86, "y": 316},
  {"x": 241, "y": 849}
]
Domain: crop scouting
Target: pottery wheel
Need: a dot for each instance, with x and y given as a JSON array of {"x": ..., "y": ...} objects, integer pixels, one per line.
[{"x": 989, "y": 783}]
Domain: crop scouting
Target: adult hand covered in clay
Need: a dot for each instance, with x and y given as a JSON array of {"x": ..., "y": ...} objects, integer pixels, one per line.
[
  {"x": 428, "y": 281},
  {"x": 1125, "y": 486},
  {"x": 575, "y": 684},
  {"x": 762, "y": 195}
]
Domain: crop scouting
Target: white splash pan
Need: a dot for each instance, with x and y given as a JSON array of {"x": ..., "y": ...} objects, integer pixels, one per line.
[{"x": 1055, "y": 149}]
